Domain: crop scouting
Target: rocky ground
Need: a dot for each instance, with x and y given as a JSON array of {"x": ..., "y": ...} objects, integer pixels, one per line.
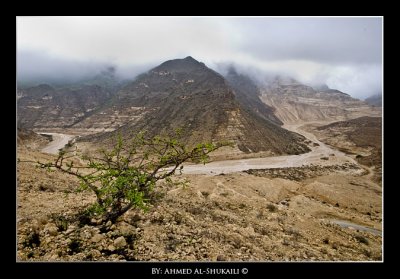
[
  {"x": 360, "y": 138},
  {"x": 279, "y": 215}
]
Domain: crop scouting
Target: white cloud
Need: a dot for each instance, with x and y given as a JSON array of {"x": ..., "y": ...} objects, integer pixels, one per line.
[{"x": 344, "y": 52}]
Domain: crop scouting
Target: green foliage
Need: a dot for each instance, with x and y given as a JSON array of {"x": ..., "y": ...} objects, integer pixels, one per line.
[
  {"x": 32, "y": 240},
  {"x": 125, "y": 176},
  {"x": 61, "y": 222}
]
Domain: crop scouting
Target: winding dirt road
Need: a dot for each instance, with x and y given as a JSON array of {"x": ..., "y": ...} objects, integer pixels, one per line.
[
  {"x": 331, "y": 156},
  {"x": 334, "y": 157},
  {"x": 59, "y": 141}
]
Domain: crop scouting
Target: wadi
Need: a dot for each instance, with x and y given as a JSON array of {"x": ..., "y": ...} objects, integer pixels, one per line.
[{"x": 299, "y": 177}]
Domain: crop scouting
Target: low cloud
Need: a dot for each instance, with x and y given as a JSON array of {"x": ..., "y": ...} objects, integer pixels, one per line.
[{"x": 345, "y": 53}]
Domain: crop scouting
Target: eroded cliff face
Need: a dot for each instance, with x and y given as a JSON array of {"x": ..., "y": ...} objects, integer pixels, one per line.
[
  {"x": 185, "y": 93},
  {"x": 61, "y": 106},
  {"x": 295, "y": 102}
]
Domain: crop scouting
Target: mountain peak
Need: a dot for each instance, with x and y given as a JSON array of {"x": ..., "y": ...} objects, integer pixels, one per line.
[
  {"x": 180, "y": 65},
  {"x": 190, "y": 58}
]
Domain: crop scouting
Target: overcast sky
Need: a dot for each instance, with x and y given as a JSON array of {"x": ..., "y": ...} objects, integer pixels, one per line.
[{"x": 345, "y": 53}]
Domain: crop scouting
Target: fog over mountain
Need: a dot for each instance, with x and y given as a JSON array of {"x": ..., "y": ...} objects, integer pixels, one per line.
[
  {"x": 342, "y": 52},
  {"x": 116, "y": 117}
]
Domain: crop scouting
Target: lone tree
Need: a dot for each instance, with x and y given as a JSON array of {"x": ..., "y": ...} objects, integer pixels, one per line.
[{"x": 124, "y": 177}]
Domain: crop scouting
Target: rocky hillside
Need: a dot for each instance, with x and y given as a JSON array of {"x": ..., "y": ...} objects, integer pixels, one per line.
[
  {"x": 375, "y": 100},
  {"x": 248, "y": 95},
  {"x": 361, "y": 137},
  {"x": 294, "y": 102},
  {"x": 231, "y": 217},
  {"x": 187, "y": 94},
  {"x": 31, "y": 140},
  {"x": 46, "y": 106}
]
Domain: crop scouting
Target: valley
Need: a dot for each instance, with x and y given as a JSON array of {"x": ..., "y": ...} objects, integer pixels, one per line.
[
  {"x": 59, "y": 141},
  {"x": 295, "y": 185}
]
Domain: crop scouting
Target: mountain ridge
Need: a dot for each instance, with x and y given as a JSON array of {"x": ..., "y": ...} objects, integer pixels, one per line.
[
  {"x": 185, "y": 93},
  {"x": 201, "y": 101}
]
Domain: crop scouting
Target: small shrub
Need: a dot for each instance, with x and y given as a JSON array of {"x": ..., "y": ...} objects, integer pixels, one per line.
[
  {"x": 367, "y": 253},
  {"x": 205, "y": 194},
  {"x": 361, "y": 239},
  {"x": 271, "y": 207},
  {"x": 125, "y": 176},
  {"x": 130, "y": 239},
  {"x": 158, "y": 219},
  {"x": 84, "y": 219},
  {"x": 61, "y": 223},
  {"x": 33, "y": 240},
  {"x": 293, "y": 232},
  {"x": 262, "y": 230},
  {"x": 74, "y": 246},
  {"x": 178, "y": 218},
  {"x": 195, "y": 210},
  {"x": 46, "y": 188},
  {"x": 89, "y": 257},
  {"x": 69, "y": 144}
]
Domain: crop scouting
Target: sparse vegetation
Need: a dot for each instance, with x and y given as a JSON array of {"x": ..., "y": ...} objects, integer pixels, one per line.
[
  {"x": 61, "y": 222},
  {"x": 124, "y": 177},
  {"x": 362, "y": 239},
  {"x": 272, "y": 208},
  {"x": 74, "y": 246},
  {"x": 275, "y": 214},
  {"x": 33, "y": 240},
  {"x": 205, "y": 194}
]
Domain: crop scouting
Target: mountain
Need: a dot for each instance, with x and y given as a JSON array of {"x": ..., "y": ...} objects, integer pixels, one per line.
[
  {"x": 248, "y": 95},
  {"x": 46, "y": 106},
  {"x": 294, "y": 102},
  {"x": 375, "y": 100},
  {"x": 361, "y": 137},
  {"x": 30, "y": 140},
  {"x": 186, "y": 93}
]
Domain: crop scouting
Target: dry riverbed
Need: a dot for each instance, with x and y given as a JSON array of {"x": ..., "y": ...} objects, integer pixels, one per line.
[{"x": 289, "y": 208}]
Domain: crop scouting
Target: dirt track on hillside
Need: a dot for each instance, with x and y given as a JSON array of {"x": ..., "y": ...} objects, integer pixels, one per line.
[
  {"x": 58, "y": 142},
  {"x": 331, "y": 157}
]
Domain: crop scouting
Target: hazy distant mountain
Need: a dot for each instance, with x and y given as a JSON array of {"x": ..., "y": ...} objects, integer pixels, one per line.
[
  {"x": 375, "y": 100},
  {"x": 248, "y": 95},
  {"x": 185, "y": 93},
  {"x": 45, "y": 106},
  {"x": 295, "y": 102}
]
